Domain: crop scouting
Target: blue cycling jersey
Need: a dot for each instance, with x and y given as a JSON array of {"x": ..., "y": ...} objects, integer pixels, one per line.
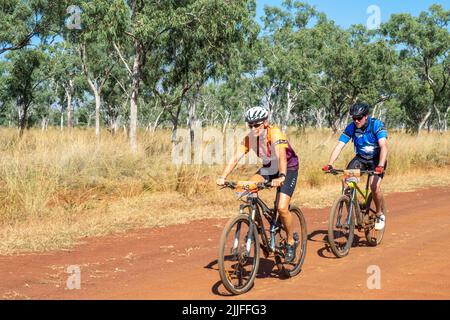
[{"x": 365, "y": 140}]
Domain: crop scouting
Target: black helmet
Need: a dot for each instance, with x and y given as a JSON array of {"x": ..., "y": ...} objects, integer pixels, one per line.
[{"x": 359, "y": 109}]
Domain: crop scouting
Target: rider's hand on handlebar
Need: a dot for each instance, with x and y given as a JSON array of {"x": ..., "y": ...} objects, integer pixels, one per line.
[
  {"x": 220, "y": 181},
  {"x": 379, "y": 170},
  {"x": 278, "y": 182},
  {"x": 327, "y": 168}
]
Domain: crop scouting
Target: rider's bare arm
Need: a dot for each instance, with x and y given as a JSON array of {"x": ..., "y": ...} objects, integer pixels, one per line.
[
  {"x": 335, "y": 154},
  {"x": 232, "y": 163},
  {"x": 280, "y": 152},
  {"x": 383, "y": 151}
]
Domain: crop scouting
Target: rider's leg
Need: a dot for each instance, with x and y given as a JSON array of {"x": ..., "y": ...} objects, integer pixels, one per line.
[
  {"x": 283, "y": 200},
  {"x": 286, "y": 216},
  {"x": 285, "y": 195},
  {"x": 375, "y": 187}
]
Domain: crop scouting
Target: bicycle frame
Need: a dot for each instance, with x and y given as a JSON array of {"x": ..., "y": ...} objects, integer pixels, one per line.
[
  {"x": 354, "y": 200},
  {"x": 257, "y": 206}
]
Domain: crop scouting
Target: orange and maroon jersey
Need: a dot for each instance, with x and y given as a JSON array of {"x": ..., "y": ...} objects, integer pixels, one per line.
[{"x": 264, "y": 146}]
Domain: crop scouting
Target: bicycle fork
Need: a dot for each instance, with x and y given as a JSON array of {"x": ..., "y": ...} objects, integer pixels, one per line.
[
  {"x": 354, "y": 203},
  {"x": 249, "y": 236},
  {"x": 349, "y": 216}
]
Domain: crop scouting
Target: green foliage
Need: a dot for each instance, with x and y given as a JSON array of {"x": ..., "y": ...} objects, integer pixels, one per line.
[
  {"x": 425, "y": 43},
  {"x": 209, "y": 61},
  {"x": 23, "y": 20}
]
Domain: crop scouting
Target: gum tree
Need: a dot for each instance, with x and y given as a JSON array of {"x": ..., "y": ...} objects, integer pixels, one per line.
[
  {"x": 424, "y": 44},
  {"x": 24, "y": 75},
  {"x": 21, "y": 21}
]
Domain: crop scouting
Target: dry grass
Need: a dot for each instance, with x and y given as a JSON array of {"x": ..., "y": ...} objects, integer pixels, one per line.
[{"x": 58, "y": 187}]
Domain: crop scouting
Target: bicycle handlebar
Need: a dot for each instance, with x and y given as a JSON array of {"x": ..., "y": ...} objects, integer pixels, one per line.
[
  {"x": 259, "y": 185},
  {"x": 336, "y": 171}
]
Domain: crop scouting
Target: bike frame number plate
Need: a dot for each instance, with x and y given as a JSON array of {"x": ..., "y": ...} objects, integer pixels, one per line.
[{"x": 352, "y": 172}]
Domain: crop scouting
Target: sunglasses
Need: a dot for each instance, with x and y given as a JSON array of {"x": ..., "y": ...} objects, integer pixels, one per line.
[
  {"x": 255, "y": 125},
  {"x": 357, "y": 118}
]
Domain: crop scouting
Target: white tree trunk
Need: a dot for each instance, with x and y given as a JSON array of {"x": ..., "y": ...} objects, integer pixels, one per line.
[
  {"x": 319, "y": 114},
  {"x": 155, "y": 125},
  {"x": 445, "y": 116},
  {"x": 191, "y": 120},
  {"x": 424, "y": 120},
  {"x": 227, "y": 119},
  {"x": 69, "y": 111},
  {"x": 69, "y": 93},
  {"x": 134, "y": 96},
  {"x": 440, "y": 123},
  {"x": 61, "y": 121},
  {"x": 97, "y": 115},
  {"x": 96, "y": 91},
  {"x": 374, "y": 111},
  {"x": 44, "y": 124}
]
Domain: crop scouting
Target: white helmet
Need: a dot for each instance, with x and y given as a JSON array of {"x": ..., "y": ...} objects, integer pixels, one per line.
[{"x": 256, "y": 114}]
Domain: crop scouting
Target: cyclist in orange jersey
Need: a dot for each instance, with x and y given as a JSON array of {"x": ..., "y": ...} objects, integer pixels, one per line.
[{"x": 280, "y": 165}]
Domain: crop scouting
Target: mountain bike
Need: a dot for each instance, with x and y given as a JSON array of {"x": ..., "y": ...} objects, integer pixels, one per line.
[
  {"x": 245, "y": 234},
  {"x": 348, "y": 212}
]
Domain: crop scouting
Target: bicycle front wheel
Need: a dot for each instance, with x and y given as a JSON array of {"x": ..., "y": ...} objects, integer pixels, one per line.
[
  {"x": 238, "y": 255},
  {"x": 340, "y": 229}
]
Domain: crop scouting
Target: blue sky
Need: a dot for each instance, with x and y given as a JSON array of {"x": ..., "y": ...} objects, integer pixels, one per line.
[{"x": 348, "y": 12}]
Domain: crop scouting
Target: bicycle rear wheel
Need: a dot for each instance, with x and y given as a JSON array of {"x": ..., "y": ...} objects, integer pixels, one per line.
[
  {"x": 238, "y": 255},
  {"x": 300, "y": 233},
  {"x": 374, "y": 237},
  {"x": 340, "y": 232}
]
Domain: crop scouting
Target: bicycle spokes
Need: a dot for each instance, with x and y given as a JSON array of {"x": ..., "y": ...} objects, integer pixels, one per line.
[
  {"x": 373, "y": 237},
  {"x": 236, "y": 238},
  {"x": 341, "y": 231},
  {"x": 239, "y": 262},
  {"x": 341, "y": 226}
]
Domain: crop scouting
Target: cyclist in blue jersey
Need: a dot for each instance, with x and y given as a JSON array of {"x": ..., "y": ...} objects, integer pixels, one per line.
[{"x": 369, "y": 136}]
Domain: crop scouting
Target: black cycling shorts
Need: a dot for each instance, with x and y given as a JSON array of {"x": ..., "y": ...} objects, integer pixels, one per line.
[
  {"x": 288, "y": 186},
  {"x": 359, "y": 162}
]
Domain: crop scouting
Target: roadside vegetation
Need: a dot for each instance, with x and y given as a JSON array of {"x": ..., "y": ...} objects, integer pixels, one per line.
[
  {"x": 58, "y": 187},
  {"x": 94, "y": 94}
]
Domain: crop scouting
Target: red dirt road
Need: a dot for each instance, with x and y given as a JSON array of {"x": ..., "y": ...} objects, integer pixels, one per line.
[{"x": 179, "y": 262}]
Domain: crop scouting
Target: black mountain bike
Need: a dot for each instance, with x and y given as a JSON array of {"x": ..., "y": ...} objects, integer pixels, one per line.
[
  {"x": 348, "y": 213},
  {"x": 246, "y": 233}
]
